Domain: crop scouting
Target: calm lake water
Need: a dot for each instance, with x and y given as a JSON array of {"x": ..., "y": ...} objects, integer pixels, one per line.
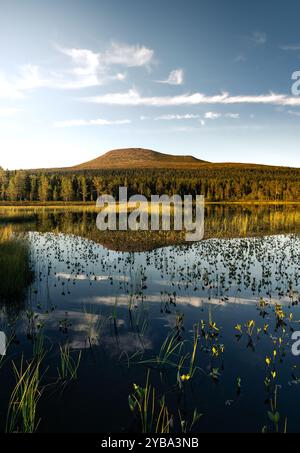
[{"x": 202, "y": 321}]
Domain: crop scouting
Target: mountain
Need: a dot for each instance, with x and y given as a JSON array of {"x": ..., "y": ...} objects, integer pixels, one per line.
[{"x": 139, "y": 158}]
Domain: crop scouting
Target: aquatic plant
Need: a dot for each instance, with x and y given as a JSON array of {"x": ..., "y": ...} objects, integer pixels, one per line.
[
  {"x": 22, "y": 409},
  {"x": 186, "y": 425},
  {"x": 68, "y": 366},
  {"x": 95, "y": 325},
  {"x": 169, "y": 351},
  {"x": 152, "y": 412}
]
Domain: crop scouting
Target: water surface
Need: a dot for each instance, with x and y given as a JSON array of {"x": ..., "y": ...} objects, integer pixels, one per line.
[{"x": 116, "y": 299}]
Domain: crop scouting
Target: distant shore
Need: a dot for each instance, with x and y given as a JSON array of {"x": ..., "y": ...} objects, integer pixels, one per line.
[{"x": 91, "y": 204}]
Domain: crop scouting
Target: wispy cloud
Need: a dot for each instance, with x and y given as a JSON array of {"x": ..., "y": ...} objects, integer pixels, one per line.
[
  {"x": 258, "y": 38},
  {"x": 233, "y": 116},
  {"x": 96, "y": 122},
  {"x": 176, "y": 77},
  {"x": 294, "y": 113},
  {"x": 127, "y": 55},
  {"x": 97, "y": 68},
  {"x": 134, "y": 98},
  {"x": 217, "y": 115},
  {"x": 240, "y": 58},
  {"x": 187, "y": 116},
  {"x": 293, "y": 47},
  {"x": 84, "y": 68},
  {"x": 212, "y": 115},
  {"x": 92, "y": 68},
  {"x": 28, "y": 78}
]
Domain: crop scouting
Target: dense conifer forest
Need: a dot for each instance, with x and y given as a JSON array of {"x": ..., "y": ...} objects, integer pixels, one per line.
[{"x": 219, "y": 184}]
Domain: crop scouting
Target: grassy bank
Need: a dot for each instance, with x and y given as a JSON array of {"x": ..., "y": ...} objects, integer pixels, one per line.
[{"x": 14, "y": 265}]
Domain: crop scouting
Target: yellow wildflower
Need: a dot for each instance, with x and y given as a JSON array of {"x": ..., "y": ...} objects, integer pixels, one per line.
[
  {"x": 214, "y": 351},
  {"x": 268, "y": 361},
  {"x": 185, "y": 377}
]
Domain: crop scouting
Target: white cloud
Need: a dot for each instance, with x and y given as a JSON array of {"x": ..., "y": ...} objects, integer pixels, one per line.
[
  {"x": 96, "y": 122},
  {"x": 84, "y": 72},
  {"x": 259, "y": 38},
  {"x": 202, "y": 122},
  {"x": 212, "y": 115},
  {"x": 294, "y": 47},
  {"x": 215, "y": 115},
  {"x": 31, "y": 78},
  {"x": 126, "y": 55},
  {"x": 88, "y": 69},
  {"x": 92, "y": 69},
  {"x": 187, "y": 116},
  {"x": 133, "y": 98},
  {"x": 176, "y": 77}
]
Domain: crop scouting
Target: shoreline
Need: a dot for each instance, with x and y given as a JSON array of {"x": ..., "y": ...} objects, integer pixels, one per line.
[{"x": 89, "y": 204}]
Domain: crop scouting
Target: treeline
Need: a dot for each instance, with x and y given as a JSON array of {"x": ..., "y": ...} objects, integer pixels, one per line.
[{"x": 221, "y": 184}]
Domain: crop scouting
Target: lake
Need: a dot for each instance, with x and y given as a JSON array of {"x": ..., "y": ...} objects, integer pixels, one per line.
[{"x": 198, "y": 335}]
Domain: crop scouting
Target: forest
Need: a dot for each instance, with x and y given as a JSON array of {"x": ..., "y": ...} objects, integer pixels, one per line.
[{"x": 217, "y": 185}]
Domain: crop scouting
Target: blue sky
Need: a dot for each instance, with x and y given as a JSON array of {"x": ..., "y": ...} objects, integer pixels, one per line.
[{"x": 208, "y": 78}]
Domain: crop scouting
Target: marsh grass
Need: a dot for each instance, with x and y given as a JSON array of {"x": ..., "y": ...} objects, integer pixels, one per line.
[
  {"x": 14, "y": 265},
  {"x": 169, "y": 352},
  {"x": 68, "y": 366},
  {"x": 152, "y": 412},
  {"x": 38, "y": 347},
  {"x": 22, "y": 409},
  {"x": 95, "y": 324}
]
